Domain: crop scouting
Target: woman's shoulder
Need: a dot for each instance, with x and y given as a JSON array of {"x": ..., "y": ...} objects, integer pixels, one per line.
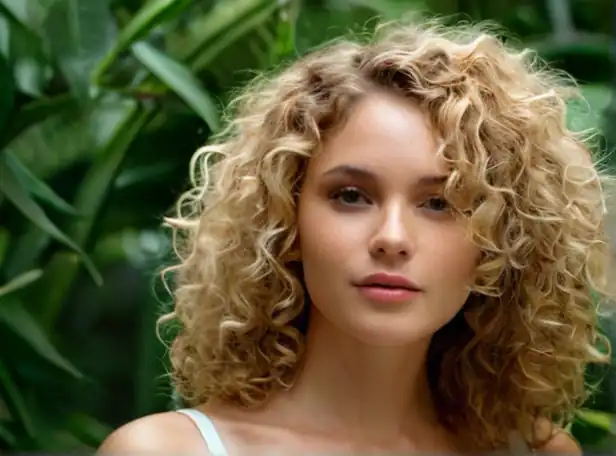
[
  {"x": 556, "y": 440},
  {"x": 562, "y": 443},
  {"x": 167, "y": 432}
]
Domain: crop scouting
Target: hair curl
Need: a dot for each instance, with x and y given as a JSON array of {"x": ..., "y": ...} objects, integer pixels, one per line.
[{"x": 524, "y": 182}]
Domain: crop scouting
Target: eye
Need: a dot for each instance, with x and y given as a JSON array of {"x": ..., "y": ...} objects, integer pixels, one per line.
[
  {"x": 436, "y": 204},
  {"x": 349, "y": 196}
]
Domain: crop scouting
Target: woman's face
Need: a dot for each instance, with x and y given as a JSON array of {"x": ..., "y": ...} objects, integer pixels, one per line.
[{"x": 384, "y": 259}]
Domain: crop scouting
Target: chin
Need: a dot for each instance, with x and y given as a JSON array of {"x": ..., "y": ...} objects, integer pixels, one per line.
[
  {"x": 380, "y": 326},
  {"x": 390, "y": 331}
]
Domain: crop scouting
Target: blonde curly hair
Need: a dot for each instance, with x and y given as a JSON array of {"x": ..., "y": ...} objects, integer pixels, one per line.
[{"x": 522, "y": 180}]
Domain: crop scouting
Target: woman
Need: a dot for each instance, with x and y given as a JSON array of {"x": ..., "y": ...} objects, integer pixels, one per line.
[{"x": 393, "y": 252}]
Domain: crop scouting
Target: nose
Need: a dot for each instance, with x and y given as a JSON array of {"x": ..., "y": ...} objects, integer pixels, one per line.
[{"x": 392, "y": 238}]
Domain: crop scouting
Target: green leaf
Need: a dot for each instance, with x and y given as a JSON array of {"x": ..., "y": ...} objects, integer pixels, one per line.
[
  {"x": 14, "y": 400},
  {"x": 33, "y": 113},
  {"x": 90, "y": 197},
  {"x": 30, "y": 13},
  {"x": 79, "y": 33},
  {"x": 21, "y": 281},
  {"x": 26, "y": 327},
  {"x": 35, "y": 186},
  {"x": 13, "y": 12},
  {"x": 151, "y": 15},
  {"x": 7, "y": 437},
  {"x": 66, "y": 135},
  {"x": 10, "y": 186},
  {"x": 5, "y": 36},
  {"x": 602, "y": 420},
  {"x": 284, "y": 45},
  {"x": 390, "y": 9},
  {"x": 224, "y": 25},
  {"x": 586, "y": 113},
  {"x": 26, "y": 250},
  {"x": 6, "y": 93},
  {"x": 20, "y": 22},
  {"x": 146, "y": 173},
  {"x": 57, "y": 280},
  {"x": 179, "y": 79},
  {"x": 99, "y": 179},
  {"x": 87, "y": 429},
  {"x": 5, "y": 237}
]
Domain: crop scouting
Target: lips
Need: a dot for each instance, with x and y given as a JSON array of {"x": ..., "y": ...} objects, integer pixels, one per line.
[
  {"x": 390, "y": 281},
  {"x": 387, "y": 288}
]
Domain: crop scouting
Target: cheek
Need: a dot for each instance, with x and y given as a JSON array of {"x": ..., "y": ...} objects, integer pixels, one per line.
[
  {"x": 323, "y": 239},
  {"x": 454, "y": 256}
]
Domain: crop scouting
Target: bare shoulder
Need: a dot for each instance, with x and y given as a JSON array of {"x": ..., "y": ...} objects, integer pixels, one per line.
[
  {"x": 168, "y": 432},
  {"x": 562, "y": 443},
  {"x": 557, "y": 440}
]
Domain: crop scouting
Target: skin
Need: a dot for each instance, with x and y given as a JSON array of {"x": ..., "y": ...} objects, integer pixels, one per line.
[{"x": 363, "y": 385}]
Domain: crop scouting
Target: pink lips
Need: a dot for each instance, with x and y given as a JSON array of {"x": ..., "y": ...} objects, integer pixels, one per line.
[{"x": 388, "y": 288}]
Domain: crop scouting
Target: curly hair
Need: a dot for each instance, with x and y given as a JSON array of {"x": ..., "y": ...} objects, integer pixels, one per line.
[{"x": 525, "y": 184}]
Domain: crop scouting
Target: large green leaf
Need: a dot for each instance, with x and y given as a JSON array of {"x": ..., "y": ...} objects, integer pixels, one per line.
[
  {"x": 35, "y": 186},
  {"x": 226, "y": 23},
  {"x": 7, "y": 436},
  {"x": 79, "y": 33},
  {"x": 6, "y": 93},
  {"x": 20, "y": 281},
  {"x": 5, "y": 237},
  {"x": 30, "y": 13},
  {"x": 5, "y": 36},
  {"x": 14, "y": 400},
  {"x": 179, "y": 79},
  {"x": 26, "y": 250},
  {"x": 602, "y": 420},
  {"x": 60, "y": 133},
  {"x": 146, "y": 173},
  {"x": 35, "y": 112},
  {"x": 391, "y": 9},
  {"x": 99, "y": 180},
  {"x": 14, "y": 12},
  {"x": 15, "y": 193},
  {"x": 17, "y": 318},
  {"x": 586, "y": 113},
  {"x": 283, "y": 47},
  {"x": 56, "y": 284},
  {"x": 20, "y": 23},
  {"x": 150, "y": 16},
  {"x": 55, "y": 142},
  {"x": 90, "y": 197},
  {"x": 87, "y": 428}
]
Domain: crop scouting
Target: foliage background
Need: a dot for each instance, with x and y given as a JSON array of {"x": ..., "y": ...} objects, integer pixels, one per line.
[{"x": 102, "y": 102}]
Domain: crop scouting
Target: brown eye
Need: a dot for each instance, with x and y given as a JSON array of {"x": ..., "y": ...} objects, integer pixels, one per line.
[
  {"x": 437, "y": 204},
  {"x": 349, "y": 196}
]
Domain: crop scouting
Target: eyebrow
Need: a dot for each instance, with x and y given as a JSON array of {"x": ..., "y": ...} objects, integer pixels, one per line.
[{"x": 363, "y": 173}]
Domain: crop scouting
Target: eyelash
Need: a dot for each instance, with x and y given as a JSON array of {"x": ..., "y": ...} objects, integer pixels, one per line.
[
  {"x": 440, "y": 198},
  {"x": 335, "y": 196},
  {"x": 347, "y": 190}
]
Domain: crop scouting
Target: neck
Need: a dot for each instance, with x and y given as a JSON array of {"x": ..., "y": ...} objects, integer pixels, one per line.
[{"x": 353, "y": 388}]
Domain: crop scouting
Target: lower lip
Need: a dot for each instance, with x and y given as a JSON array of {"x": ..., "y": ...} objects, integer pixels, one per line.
[{"x": 382, "y": 294}]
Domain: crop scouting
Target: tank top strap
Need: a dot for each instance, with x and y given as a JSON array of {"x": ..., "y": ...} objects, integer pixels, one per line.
[{"x": 207, "y": 430}]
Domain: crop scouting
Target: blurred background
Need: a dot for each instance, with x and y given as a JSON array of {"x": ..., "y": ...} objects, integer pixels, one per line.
[{"x": 102, "y": 103}]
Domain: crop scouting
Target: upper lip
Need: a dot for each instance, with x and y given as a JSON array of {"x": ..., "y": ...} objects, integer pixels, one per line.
[{"x": 388, "y": 280}]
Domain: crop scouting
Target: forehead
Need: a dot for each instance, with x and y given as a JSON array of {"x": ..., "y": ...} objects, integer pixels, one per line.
[{"x": 386, "y": 133}]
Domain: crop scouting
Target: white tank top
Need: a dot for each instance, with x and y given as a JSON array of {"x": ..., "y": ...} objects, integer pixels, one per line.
[
  {"x": 208, "y": 431},
  {"x": 212, "y": 439}
]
